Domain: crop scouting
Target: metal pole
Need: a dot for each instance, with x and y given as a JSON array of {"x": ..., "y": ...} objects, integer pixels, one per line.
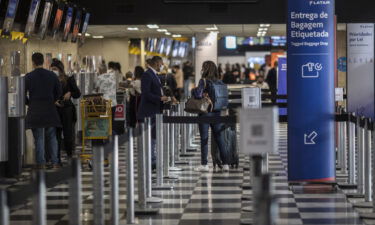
[
  {"x": 340, "y": 150},
  {"x": 4, "y": 209},
  {"x": 183, "y": 133},
  {"x": 147, "y": 132},
  {"x": 98, "y": 181},
  {"x": 352, "y": 159},
  {"x": 266, "y": 207},
  {"x": 141, "y": 167},
  {"x": 159, "y": 150},
  {"x": 166, "y": 148},
  {"x": 115, "y": 183},
  {"x": 3, "y": 119},
  {"x": 265, "y": 163},
  {"x": 257, "y": 163},
  {"x": 178, "y": 135},
  {"x": 361, "y": 158},
  {"x": 39, "y": 199},
  {"x": 173, "y": 150},
  {"x": 75, "y": 193},
  {"x": 368, "y": 164},
  {"x": 344, "y": 139},
  {"x": 130, "y": 214}
]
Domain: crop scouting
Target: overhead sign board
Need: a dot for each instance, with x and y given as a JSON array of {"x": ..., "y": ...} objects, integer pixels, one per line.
[
  {"x": 251, "y": 98},
  {"x": 259, "y": 130}
]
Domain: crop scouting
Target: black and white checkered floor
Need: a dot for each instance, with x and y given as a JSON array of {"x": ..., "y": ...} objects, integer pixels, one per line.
[{"x": 208, "y": 198}]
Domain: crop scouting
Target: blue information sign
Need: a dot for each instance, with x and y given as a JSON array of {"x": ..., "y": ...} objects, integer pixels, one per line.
[
  {"x": 281, "y": 83},
  {"x": 311, "y": 90}
]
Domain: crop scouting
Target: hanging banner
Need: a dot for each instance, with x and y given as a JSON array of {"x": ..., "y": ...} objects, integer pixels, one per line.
[
  {"x": 9, "y": 17},
  {"x": 281, "y": 83},
  {"x": 360, "y": 42},
  {"x": 310, "y": 79}
]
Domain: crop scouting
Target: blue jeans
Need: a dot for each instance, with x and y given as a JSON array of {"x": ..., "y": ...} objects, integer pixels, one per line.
[
  {"x": 50, "y": 134},
  {"x": 186, "y": 88},
  {"x": 217, "y": 129}
]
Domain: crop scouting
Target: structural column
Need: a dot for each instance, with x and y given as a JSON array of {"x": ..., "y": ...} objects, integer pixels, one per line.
[{"x": 205, "y": 49}]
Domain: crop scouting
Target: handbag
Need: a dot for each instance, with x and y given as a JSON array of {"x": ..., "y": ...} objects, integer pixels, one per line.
[{"x": 197, "y": 106}]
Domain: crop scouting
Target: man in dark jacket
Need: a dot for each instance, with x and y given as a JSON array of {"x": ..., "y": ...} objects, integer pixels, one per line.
[
  {"x": 43, "y": 90},
  {"x": 152, "y": 97},
  {"x": 272, "y": 77}
]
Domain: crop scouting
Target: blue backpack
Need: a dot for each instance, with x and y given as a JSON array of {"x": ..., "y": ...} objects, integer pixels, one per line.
[{"x": 219, "y": 95}]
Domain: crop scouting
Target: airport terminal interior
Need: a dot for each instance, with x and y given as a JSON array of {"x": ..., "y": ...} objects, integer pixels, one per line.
[{"x": 187, "y": 112}]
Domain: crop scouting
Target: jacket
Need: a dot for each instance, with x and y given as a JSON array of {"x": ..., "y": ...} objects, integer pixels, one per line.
[
  {"x": 43, "y": 90},
  {"x": 151, "y": 95}
]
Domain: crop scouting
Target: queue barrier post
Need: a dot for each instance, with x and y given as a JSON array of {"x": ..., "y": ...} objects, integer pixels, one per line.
[
  {"x": 180, "y": 134},
  {"x": 4, "y": 209},
  {"x": 361, "y": 158},
  {"x": 98, "y": 181},
  {"x": 167, "y": 147},
  {"x": 39, "y": 199},
  {"x": 75, "y": 193},
  {"x": 173, "y": 150},
  {"x": 148, "y": 145},
  {"x": 115, "y": 218},
  {"x": 130, "y": 212},
  {"x": 352, "y": 175},
  {"x": 160, "y": 155}
]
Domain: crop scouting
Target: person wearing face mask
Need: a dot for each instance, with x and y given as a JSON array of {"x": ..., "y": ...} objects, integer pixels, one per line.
[
  {"x": 152, "y": 98},
  {"x": 66, "y": 109}
]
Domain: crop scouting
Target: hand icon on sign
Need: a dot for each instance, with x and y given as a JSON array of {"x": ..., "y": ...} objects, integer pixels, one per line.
[{"x": 311, "y": 70}]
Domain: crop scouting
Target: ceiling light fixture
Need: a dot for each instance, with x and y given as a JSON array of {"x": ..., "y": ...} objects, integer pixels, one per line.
[
  {"x": 167, "y": 33},
  {"x": 162, "y": 30},
  {"x": 132, "y": 28},
  {"x": 265, "y": 25},
  {"x": 152, "y": 26},
  {"x": 263, "y": 29},
  {"x": 98, "y": 37},
  {"x": 176, "y": 35},
  {"x": 212, "y": 28}
]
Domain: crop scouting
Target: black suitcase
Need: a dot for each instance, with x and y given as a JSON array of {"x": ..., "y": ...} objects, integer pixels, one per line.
[{"x": 230, "y": 142}]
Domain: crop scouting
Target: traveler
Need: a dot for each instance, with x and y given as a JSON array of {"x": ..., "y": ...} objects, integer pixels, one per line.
[
  {"x": 66, "y": 109},
  {"x": 272, "y": 77},
  {"x": 260, "y": 83},
  {"x": 232, "y": 77},
  {"x": 264, "y": 69},
  {"x": 43, "y": 90},
  {"x": 152, "y": 98},
  {"x": 118, "y": 72},
  {"x": 179, "y": 78},
  {"x": 188, "y": 71},
  {"x": 206, "y": 88},
  {"x": 135, "y": 96}
]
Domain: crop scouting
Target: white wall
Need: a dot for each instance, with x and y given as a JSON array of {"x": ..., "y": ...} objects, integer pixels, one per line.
[
  {"x": 231, "y": 60},
  {"x": 206, "y": 49}
]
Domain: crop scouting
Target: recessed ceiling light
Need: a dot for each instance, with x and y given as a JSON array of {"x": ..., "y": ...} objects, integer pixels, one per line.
[
  {"x": 87, "y": 35},
  {"x": 133, "y": 28},
  {"x": 167, "y": 33},
  {"x": 152, "y": 26},
  {"x": 162, "y": 30},
  {"x": 176, "y": 35},
  {"x": 263, "y": 29},
  {"x": 98, "y": 36},
  {"x": 212, "y": 28},
  {"x": 265, "y": 25}
]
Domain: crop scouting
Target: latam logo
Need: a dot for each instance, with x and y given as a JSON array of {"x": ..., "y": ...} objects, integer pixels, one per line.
[{"x": 319, "y": 2}]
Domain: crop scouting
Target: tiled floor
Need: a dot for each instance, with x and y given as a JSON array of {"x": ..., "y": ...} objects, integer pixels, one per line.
[{"x": 208, "y": 198}]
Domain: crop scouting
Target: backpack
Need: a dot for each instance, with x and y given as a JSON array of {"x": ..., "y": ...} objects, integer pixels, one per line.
[{"x": 218, "y": 94}]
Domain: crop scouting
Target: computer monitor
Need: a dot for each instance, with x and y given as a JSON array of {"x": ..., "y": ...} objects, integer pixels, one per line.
[
  {"x": 76, "y": 26},
  {"x": 48, "y": 5},
  {"x": 9, "y": 17},
  {"x": 31, "y": 19},
  {"x": 68, "y": 23}
]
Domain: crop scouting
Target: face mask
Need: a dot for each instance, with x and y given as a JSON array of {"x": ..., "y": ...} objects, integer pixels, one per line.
[{"x": 56, "y": 72}]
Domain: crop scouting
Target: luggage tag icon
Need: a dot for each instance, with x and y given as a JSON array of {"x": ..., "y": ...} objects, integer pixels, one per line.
[{"x": 311, "y": 70}]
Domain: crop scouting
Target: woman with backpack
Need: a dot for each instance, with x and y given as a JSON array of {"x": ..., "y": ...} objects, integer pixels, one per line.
[{"x": 210, "y": 87}]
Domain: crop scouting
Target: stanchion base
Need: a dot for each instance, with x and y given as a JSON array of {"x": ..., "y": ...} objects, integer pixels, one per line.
[
  {"x": 191, "y": 150},
  {"x": 170, "y": 177},
  {"x": 186, "y": 155},
  {"x": 247, "y": 209},
  {"x": 369, "y": 216},
  {"x": 182, "y": 163},
  {"x": 175, "y": 169},
  {"x": 162, "y": 188},
  {"x": 363, "y": 205},
  {"x": 154, "y": 200},
  {"x": 355, "y": 195},
  {"x": 347, "y": 186},
  {"x": 247, "y": 197},
  {"x": 146, "y": 211},
  {"x": 246, "y": 221}
]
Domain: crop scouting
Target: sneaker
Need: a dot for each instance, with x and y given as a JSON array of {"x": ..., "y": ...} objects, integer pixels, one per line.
[
  {"x": 225, "y": 168},
  {"x": 202, "y": 168}
]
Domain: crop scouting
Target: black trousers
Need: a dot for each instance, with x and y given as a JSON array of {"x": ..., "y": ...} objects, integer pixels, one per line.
[{"x": 66, "y": 134}]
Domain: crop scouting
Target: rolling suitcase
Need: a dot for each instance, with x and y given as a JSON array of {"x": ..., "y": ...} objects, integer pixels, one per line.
[{"x": 230, "y": 145}]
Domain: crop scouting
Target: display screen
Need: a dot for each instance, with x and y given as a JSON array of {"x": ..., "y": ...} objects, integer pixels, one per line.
[
  {"x": 85, "y": 25},
  {"x": 278, "y": 40},
  {"x": 168, "y": 47},
  {"x": 58, "y": 18},
  {"x": 176, "y": 46},
  {"x": 76, "y": 26},
  {"x": 230, "y": 42},
  {"x": 68, "y": 23},
  {"x": 45, "y": 19},
  {"x": 33, "y": 12},
  {"x": 210, "y": 1},
  {"x": 9, "y": 17}
]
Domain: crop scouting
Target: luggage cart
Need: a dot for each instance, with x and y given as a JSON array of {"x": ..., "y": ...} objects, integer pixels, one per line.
[{"x": 96, "y": 117}]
